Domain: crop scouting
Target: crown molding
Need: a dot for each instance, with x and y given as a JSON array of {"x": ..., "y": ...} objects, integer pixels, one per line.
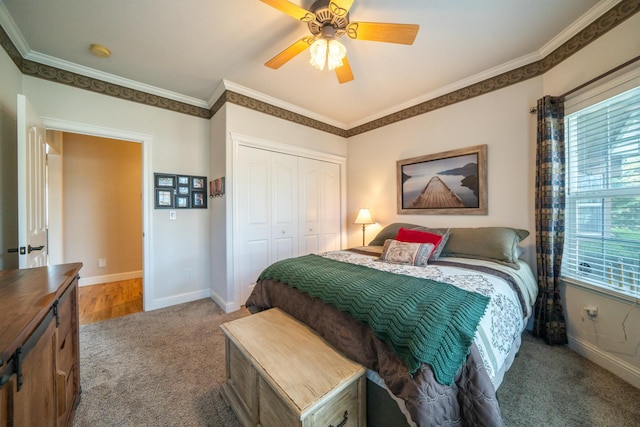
[
  {"x": 583, "y": 22},
  {"x": 92, "y": 73},
  {"x": 266, "y": 99},
  {"x": 14, "y": 34}
]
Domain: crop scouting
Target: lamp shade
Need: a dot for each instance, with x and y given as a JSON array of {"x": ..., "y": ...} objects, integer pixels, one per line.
[
  {"x": 327, "y": 51},
  {"x": 364, "y": 217}
]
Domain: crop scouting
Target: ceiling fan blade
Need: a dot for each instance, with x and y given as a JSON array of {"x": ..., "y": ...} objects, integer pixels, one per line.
[
  {"x": 291, "y": 9},
  {"x": 344, "y": 73},
  {"x": 383, "y": 32},
  {"x": 287, "y": 54},
  {"x": 340, "y": 8}
]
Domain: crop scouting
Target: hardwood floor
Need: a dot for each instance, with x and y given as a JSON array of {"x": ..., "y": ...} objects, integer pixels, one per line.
[{"x": 109, "y": 300}]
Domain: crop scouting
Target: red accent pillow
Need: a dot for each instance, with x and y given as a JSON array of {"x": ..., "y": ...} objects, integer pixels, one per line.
[{"x": 417, "y": 236}]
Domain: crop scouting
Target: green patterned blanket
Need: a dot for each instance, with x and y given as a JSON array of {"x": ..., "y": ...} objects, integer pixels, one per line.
[{"x": 424, "y": 321}]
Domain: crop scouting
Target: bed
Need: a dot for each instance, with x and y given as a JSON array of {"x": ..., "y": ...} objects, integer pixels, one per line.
[{"x": 435, "y": 315}]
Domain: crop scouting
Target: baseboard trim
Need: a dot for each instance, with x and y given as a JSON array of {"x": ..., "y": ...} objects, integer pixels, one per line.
[
  {"x": 228, "y": 307},
  {"x": 108, "y": 278},
  {"x": 177, "y": 299},
  {"x": 620, "y": 368}
]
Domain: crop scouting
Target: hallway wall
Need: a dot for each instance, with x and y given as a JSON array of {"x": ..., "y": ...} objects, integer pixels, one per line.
[{"x": 102, "y": 207}]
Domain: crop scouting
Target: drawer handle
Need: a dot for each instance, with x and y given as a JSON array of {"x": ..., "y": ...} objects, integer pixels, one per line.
[
  {"x": 63, "y": 343},
  {"x": 344, "y": 420}
]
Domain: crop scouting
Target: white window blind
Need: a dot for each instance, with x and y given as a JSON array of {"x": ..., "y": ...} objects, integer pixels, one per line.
[{"x": 602, "y": 218}]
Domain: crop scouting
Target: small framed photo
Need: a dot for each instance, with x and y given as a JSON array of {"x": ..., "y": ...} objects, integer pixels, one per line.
[
  {"x": 217, "y": 187},
  {"x": 183, "y": 190},
  {"x": 198, "y": 182},
  {"x": 164, "y": 198},
  {"x": 165, "y": 181},
  {"x": 183, "y": 180},
  {"x": 182, "y": 202},
  {"x": 198, "y": 199}
]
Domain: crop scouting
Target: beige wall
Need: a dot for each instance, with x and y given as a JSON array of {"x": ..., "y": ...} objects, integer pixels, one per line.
[
  {"x": 102, "y": 207},
  {"x": 500, "y": 119}
]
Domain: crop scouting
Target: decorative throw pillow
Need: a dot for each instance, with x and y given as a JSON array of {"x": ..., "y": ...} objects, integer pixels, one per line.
[
  {"x": 497, "y": 244},
  {"x": 390, "y": 232},
  {"x": 418, "y": 236},
  {"x": 397, "y": 252}
]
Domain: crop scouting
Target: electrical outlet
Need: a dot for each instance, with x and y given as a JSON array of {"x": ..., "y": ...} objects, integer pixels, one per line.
[
  {"x": 189, "y": 273},
  {"x": 102, "y": 262},
  {"x": 591, "y": 311}
]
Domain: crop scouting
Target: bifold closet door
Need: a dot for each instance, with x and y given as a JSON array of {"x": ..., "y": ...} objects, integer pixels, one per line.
[
  {"x": 319, "y": 183},
  {"x": 267, "y": 212}
]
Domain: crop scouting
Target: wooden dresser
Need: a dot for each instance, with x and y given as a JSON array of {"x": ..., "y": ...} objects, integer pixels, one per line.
[
  {"x": 39, "y": 346},
  {"x": 281, "y": 374}
]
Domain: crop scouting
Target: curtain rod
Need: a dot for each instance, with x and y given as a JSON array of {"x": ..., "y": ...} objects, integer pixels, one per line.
[{"x": 533, "y": 110}]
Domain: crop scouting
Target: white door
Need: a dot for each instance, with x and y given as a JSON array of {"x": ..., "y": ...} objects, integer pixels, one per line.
[
  {"x": 267, "y": 212},
  {"x": 284, "y": 206},
  {"x": 32, "y": 158},
  {"x": 319, "y": 206},
  {"x": 254, "y": 218}
]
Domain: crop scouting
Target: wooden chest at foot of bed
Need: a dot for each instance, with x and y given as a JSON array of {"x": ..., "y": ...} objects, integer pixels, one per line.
[{"x": 280, "y": 374}]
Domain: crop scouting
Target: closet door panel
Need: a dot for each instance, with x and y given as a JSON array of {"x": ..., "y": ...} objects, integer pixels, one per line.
[
  {"x": 284, "y": 206},
  {"x": 330, "y": 202},
  {"x": 254, "y": 218},
  {"x": 319, "y": 206},
  {"x": 309, "y": 208}
]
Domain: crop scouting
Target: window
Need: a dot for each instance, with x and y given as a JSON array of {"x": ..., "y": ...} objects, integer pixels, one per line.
[{"x": 602, "y": 218}]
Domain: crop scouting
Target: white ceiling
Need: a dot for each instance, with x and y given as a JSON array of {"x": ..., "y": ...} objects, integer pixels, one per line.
[{"x": 188, "y": 47}]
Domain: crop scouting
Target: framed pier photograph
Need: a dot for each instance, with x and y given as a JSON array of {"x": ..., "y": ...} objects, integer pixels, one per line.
[{"x": 450, "y": 183}]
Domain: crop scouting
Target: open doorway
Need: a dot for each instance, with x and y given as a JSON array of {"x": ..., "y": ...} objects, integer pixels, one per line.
[{"x": 96, "y": 188}]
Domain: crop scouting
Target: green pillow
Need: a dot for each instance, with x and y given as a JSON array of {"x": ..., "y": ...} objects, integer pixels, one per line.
[{"x": 497, "y": 244}]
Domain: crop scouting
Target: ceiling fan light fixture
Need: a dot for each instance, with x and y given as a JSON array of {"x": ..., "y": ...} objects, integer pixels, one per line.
[
  {"x": 329, "y": 52},
  {"x": 318, "y": 53}
]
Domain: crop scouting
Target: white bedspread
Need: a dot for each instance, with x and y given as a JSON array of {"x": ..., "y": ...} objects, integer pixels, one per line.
[{"x": 498, "y": 334}]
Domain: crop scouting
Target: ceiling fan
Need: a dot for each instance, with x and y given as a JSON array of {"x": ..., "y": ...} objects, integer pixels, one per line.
[{"x": 328, "y": 20}]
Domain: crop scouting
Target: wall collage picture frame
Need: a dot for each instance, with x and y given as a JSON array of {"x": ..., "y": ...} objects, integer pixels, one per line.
[{"x": 177, "y": 191}]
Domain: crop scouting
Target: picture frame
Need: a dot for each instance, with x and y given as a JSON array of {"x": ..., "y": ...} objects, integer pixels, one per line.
[
  {"x": 180, "y": 191},
  {"x": 198, "y": 199},
  {"x": 182, "y": 202},
  {"x": 216, "y": 187},
  {"x": 447, "y": 183},
  {"x": 164, "y": 198},
  {"x": 198, "y": 182},
  {"x": 165, "y": 181}
]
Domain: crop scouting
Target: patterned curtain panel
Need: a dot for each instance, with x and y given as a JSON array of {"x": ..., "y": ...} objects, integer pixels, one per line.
[{"x": 549, "y": 322}]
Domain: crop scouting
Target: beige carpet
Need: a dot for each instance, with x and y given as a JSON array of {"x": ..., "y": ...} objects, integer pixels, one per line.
[{"x": 165, "y": 368}]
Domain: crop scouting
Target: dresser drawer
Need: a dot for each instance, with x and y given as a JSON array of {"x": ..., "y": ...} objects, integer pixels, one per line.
[
  {"x": 67, "y": 311},
  {"x": 66, "y": 352}
]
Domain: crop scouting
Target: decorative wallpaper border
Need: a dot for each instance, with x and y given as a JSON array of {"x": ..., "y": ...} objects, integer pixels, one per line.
[
  {"x": 616, "y": 15},
  {"x": 272, "y": 110},
  {"x": 69, "y": 78}
]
